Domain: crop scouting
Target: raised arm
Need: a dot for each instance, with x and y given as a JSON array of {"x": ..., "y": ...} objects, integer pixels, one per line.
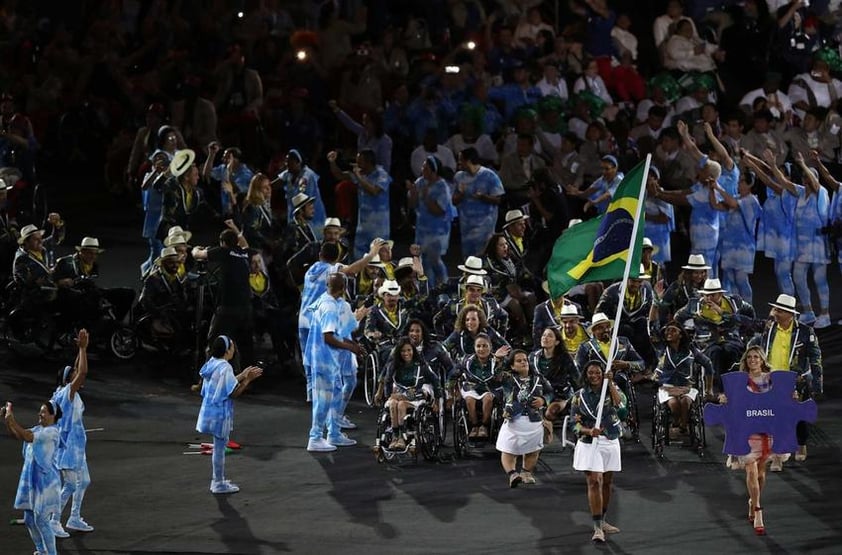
[
  {"x": 689, "y": 144},
  {"x": 826, "y": 176},
  {"x": 81, "y": 363},
  {"x": 16, "y": 430},
  {"x": 727, "y": 160},
  {"x": 810, "y": 179},
  {"x": 727, "y": 203}
]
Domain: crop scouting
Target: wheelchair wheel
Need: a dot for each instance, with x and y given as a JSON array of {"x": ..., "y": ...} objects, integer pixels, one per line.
[
  {"x": 496, "y": 421},
  {"x": 123, "y": 343},
  {"x": 427, "y": 433},
  {"x": 634, "y": 413},
  {"x": 384, "y": 434},
  {"x": 460, "y": 429},
  {"x": 442, "y": 421},
  {"x": 697, "y": 428},
  {"x": 660, "y": 431},
  {"x": 370, "y": 371}
]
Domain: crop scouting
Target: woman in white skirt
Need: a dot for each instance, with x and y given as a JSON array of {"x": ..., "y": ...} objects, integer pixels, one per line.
[
  {"x": 522, "y": 433},
  {"x": 598, "y": 449}
]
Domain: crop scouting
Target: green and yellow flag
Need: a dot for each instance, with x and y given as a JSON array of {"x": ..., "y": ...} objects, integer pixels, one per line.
[{"x": 597, "y": 249}]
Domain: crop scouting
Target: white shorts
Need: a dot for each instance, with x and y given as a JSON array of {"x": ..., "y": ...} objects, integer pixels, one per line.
[
  {"x": 415, "y": 403},
  {"x": 603, "y": 455},
  {"x": 663, "y": 395},
  {"x": 472, "y": 394}
]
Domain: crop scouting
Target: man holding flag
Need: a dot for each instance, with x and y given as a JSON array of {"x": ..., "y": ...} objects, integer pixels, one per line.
[{"x": 604, "y": 248}]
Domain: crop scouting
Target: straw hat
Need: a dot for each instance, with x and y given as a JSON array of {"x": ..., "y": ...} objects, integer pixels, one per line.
[
  {"x": 27, "y": 231},
  {"x": 695, "y": 262},
  {"x": 334, "y": 222},
  {"x": 647, "y": 244},
  {"x": 182, "y": 160},
  {"x": 570, "y": 311},
  {"x": 475, "y": 280},
  {"x": 176, "y": 230},
  {"x": 301, "y": 200},
  {"x": 387, "y": 243},
  {"x": 643, "y": 274},
  {"x": 173, "y": 239},
  {"x": 473, "y": 265},
  {"x": 514, "y": 216},
  {"x": 711, "y": 286},
  {"x": 389, "y": 286},
  {"x": 785, "y": 302},
  {"x": 89, "y": 243},
  {"x": 600, "y": 318}
]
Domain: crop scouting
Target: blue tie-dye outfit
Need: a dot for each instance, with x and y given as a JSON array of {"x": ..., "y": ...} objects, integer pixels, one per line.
[
  {"x": 307, "y": 182},
  {"x": 216, "y": 416},
  {"x": 39, "y": 489},
  {"x": 72, "y": 460},
  {"x": 836, "y": 217},
  {"x": 811, "y": 247},
  {"x": 738, "y": 245},
  {"x": 334, "y": 370},
  {"x": 704, "y": 226},
  {"x": 477, "y": 219},
  {"x": 603, "y": 186},
  {"x": 776, "y": 235},
  {"x": 240, "y": 180},
  {"x": 372, "y": 212},
  {"x": 432, "y": 231},
  {"x": 659, "y": 233},
  {"x": 315, "y": 285}
]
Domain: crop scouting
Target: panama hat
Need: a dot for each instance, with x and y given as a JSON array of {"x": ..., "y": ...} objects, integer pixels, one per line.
[
  {"x": 695, "y": 262},
  {"x": 600, "y": 318},
  {"x": 473, "y": 265},
  {"x": 375, "y": 261},
  {"x": 181, "y": 161},
  {"x": 389, "y": 286},
  {"x": 89, "y": 243},
  {"x": 174, "y": 239},
  {"x": 711, "y": 286},
  {"x": 177, "y": 230},
  {"x": 514, "y": 216},
  {"x": 569, "y": 311},
  {"x": 647, "y": 244},
  {"x": 27, "y": 231},
  {"x": 405, "y": 262},
  {"x": 475, "y": 280},
  {"x": 301, "y": 200},
  {"x": 334, "y": 222},
  {"x": 167, "y": 252},
  {"x": 785, "y": 302},
  {"x": 643, "y": 274}
]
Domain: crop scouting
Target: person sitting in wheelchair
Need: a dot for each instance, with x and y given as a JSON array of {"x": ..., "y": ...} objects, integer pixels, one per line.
[
  {"x": 432, "y": 352},
  {"x": 677, "y": 380},
  {"x": 479, "y": 377},
  {"x": 470, "y": 323},
  {"x": 386, "y": 322},
  {"x": 527, "y": 394},
  {"x": 553, "y": 362},
  {"x": 408, "y": 382}
]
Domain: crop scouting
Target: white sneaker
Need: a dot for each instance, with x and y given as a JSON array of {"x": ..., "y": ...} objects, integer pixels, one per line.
[
  {"x": 223, "y": 486},
  {"x": 341, "y": 441},
  {"x": 320, "y": 446},
  {"x": 807, "y": 318},
  {"x": 58, "y": 530},
  {"x": 345, "y": 423},
  {"x": 78, "y": 525},
  {"x": 822, "y": 322}
]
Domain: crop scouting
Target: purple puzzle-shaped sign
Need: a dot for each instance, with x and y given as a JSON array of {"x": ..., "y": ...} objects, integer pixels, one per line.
[{"x": 746, "y": 412}]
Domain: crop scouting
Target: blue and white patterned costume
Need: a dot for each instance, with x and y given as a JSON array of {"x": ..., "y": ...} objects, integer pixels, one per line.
[
  {"x": 315, "y": 284},
  {"x": 330, "y": 316},
  {"x": 777, "y": 227},
  {"x": 71, "y": 458},
  {"x": 307, "y": 182},
  {"x": 704, "y": 226},
  {"x": 216, "y": 416},
  {"x": 738, "y": 246},
  {"x": 477, "y": 219},
  {"x": 603, "y": 186},
  {"x": 372, "y": 212},
  {"x": 432, "y": 231},
  {"x": 659, "y": 233},
  {"x": 240, "y": 180},
  {"x": 811, "y": 214},
  {"x": 39, "y": 488}
]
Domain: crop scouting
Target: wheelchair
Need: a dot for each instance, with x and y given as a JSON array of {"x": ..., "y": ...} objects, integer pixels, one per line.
[
  {"x": 462, "y": 443},
  {"x": 421, "y": 426},
  {"x": 632, "y": 420},
  {"x": 372, "y": 365},
  {"x": 662, "y": 418}
]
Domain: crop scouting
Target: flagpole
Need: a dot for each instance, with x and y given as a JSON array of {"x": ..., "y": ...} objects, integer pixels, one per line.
[{"x": 613, "y": 345}]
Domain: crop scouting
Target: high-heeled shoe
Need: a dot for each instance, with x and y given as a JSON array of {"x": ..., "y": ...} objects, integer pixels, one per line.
[{"x": 759, "y": 530}]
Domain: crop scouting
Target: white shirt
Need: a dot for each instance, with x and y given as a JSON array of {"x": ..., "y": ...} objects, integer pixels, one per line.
[
  {"x": 781, "y": 98},
  {"x": 548, "y": 89},
  {"x": 484, "y": 145},
  {"x": 681, "y": 54},
  {"x": 821, "y": 91},
  {"x": 642, "y": 113},
  {"x": 626, "y": 40},
  {"x": 594, "y": 84},
  {"x": 661, "y": 27}
]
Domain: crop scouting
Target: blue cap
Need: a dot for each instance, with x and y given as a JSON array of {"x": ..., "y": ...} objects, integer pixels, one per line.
[{"x": 610, "y": 158}]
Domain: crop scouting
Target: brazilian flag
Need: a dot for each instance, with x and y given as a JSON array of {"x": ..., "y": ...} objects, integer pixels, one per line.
[{"x": 597, "y": 249}]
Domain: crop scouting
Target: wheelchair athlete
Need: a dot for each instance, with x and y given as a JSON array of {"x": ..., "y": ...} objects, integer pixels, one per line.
[
  {"x": 676, "y": 375},
  {"x": 408, "y": 382},
  {"x": 479, "y": 376}
]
